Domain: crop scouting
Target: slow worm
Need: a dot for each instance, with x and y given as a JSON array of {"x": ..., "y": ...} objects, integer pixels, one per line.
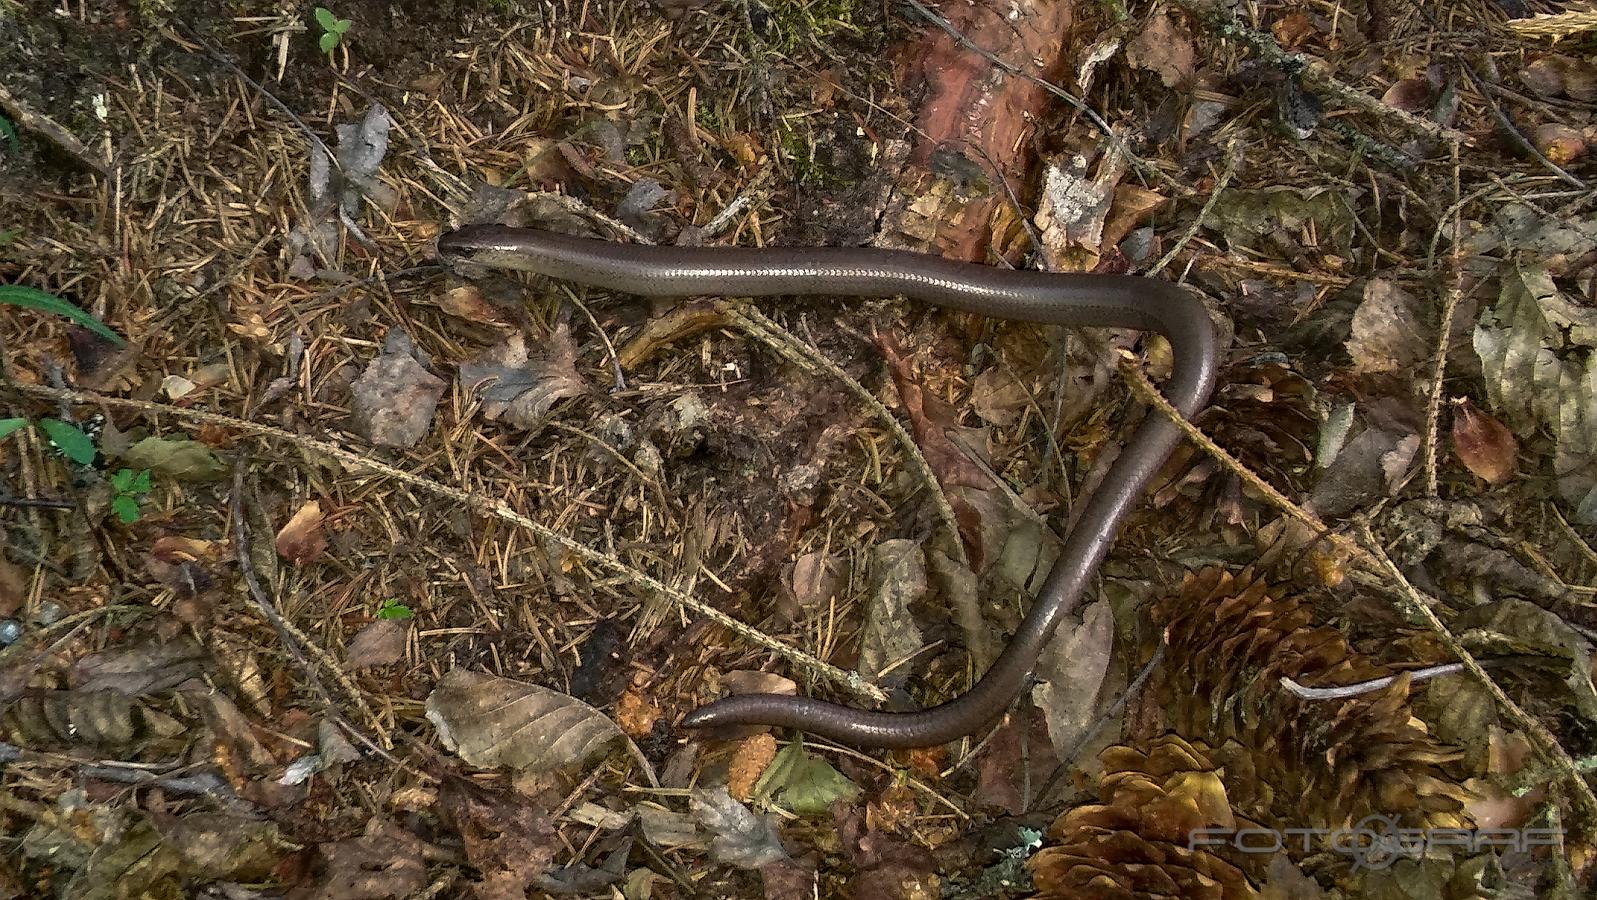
[{"x": 1059, "y": 299}]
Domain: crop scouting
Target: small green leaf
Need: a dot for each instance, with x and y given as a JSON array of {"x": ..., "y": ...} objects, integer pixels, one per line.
[
  {"x": 9, "y": 425},
  {"x": 141, "y": 484},
  {"x": 122, "y": 480},
  {"x": 8, "y": 234},
  {"x": 126, "y": 508},
  {"x": 805, "y": 784},
  {"x": 329, "y": 41},
  {"x": 73, "y": 442},
  {"x": 393, "y": 609},
  {"x": 30, "y": 298},
  {"x": 342, "y": 25},
  {"x": 326, "y": 19},
  {"x": 9, "y": 132}
]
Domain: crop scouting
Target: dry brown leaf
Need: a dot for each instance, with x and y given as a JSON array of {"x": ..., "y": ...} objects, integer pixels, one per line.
[
  {"x": 1006, "y": 763},
  {"x": 935, "y": 425},
  {"x": 1555, "y": 75},
  {"x": 1484, "y": 445},
  {"x": 683, "y": 321},
  {"x": 142, "y": 668},
  {"x": 1132, "y": 206},
  {"x": 184, "y": 564},
  {"x": 301, "y": 541},
  {"x": 887, "y": 866},
  {"x": 1559, "y": 143},
  {"x": 898, "y": 570},
  {"x": 998, "y": 397},
  {"x": 13, "y": 588},
  {"x": 385, "y": 863},
  {"x": 378, "y": 644},
  {"x": 491, "y": 721},
  {"x": 102, "y": 365},
  {"x": 223, "y": 846},
  {"x": 1536, "y": 355},
  {"x": 519, "y": 388},
  {"x": 507, "y": 840},
  {"x": 394, "y": 399},
  {"x": 814, "y": 580},
  {"x": 748, "y": 681},
  {"x": 1164, "y": 47},
  {"x": 1293, "y": 29},
  {"x": 1386, "y": 335},
  {"x": 467, "y": 302},
  {"x": 743, "y": 838},
  {"x": 1495, "y": 808},
  {"x": 1071, "y": 670},
  {"x": 1409, "y": 94}
]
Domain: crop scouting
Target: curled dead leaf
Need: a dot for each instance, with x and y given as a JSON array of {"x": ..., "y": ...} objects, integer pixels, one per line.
[
  {"x": 1484, "y": 445},
  {"x": 520, "y": 388},
  {"x": 394, "y": 399},
  {"x": 1556, "y": 75},
  {"x": 301, "y": 540},
  {"x": 184, "y": 564},
  {"x": 1409, "y": 94}
]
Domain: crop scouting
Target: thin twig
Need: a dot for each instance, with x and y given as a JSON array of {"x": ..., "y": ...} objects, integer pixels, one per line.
[
  {"x": 293, "y": 639},
  {"x": 853, "y": 682},
  {"x": 1115, "y": 708},
  {"x": 1233, "y": 156},
  {"x": 1455, "y": 293},
  {"x": 226, "y": 63},
  {"x": 47, "y": 128},
  {"x": 37, "y": 503},
  {"x": 1422, "y": 605},
  {"x": 1344, "y": 691}
]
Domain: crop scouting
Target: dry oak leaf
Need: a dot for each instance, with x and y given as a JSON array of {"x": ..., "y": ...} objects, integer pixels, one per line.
[
  {"x": 1164, "y": 47},
  {"x": 518, "y": 388},
  {"x": 301, "y": 540},
  {"x": 394, "y": 399},
  {"x": 378, "y": 644},
  {"x": 491, "y": 721}
]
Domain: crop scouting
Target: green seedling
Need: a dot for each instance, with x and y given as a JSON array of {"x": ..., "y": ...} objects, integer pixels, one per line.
[
  {"x": 393, "y": 609},
  {"x": 333, "y": 29},
  {"x": 128, "y": 488}
]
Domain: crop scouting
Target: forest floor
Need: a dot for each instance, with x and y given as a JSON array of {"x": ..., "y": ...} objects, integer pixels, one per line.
[{"x": 333, "y": 571}]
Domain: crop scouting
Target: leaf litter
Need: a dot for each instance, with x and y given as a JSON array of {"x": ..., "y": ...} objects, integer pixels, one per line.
[{"x": 1314, "y": 230}]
